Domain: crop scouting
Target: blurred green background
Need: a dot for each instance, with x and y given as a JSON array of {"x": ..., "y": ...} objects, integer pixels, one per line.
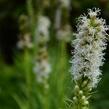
[{"x": 12, "y": 76}]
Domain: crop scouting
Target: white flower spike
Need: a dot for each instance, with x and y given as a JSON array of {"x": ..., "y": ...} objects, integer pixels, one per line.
[{"x": 89, "y": 45}]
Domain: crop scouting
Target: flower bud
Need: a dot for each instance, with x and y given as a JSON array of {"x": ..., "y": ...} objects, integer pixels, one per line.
[
  {"x": 74, "y": 98},
  {"x": 84, "y": 83},
  {"x": 86, "y": 102},
  {"x": 80, "y": 92},
  {"x": 76, "y": 88},
  {"x": 83, "y": 98}
]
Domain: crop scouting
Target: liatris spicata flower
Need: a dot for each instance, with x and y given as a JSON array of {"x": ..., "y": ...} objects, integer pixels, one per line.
[
  {"x": 25, "y": 35},
  {"x": 89, "y": 47},
  {"x": 42, "y": 67}
]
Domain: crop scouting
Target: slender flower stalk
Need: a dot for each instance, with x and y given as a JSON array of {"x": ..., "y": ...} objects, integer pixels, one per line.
[{"x": 89, "y": 47}]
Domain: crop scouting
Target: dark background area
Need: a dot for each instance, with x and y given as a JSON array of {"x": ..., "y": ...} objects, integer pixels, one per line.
[{"x": 9, "y": 28}]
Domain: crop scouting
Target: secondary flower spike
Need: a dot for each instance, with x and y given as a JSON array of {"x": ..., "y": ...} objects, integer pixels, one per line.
[{"x": 89, "y": 47}]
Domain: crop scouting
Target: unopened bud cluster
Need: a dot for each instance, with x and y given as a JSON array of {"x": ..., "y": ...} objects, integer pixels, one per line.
[{"x": 80, "y": 98}]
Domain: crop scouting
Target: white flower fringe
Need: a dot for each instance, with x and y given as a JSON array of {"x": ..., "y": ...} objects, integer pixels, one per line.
[{"x": 89, "y": 45}]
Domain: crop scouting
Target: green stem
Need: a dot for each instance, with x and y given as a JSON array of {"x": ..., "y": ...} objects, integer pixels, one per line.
[
  {"x": 28, "y": 77},
  {"x": 31, "y": 14}
]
